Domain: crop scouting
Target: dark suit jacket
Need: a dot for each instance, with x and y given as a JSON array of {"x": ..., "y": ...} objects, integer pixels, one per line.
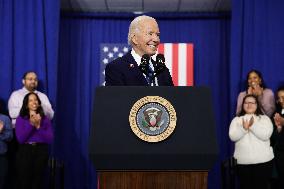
[
  {"x": 277, "y": 142},
  {"x": 124, "y": 71}
]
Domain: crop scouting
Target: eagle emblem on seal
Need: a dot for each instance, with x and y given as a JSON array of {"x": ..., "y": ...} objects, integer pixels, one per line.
[{"x": 152, "y": 118}]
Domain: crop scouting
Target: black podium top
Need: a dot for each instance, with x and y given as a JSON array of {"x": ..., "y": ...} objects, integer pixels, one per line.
[{"x": 192, "y": 145}]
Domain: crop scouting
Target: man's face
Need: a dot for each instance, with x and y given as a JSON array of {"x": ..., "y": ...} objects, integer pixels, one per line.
[
  {"x": 147, "y": 39},
  {"x": 280, "y": 96},
  {"x": 30, "y": 81}
]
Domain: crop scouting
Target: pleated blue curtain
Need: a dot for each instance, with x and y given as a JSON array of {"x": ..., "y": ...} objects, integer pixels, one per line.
[
  {"x": 79, "y": 60},
  {"x": 226, "y": 47},
  {"x": 28, "y": 41},
  {"x": 257, "y": 43}
]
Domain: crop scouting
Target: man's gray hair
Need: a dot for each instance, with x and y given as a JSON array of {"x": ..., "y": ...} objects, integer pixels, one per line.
[{"x": 134, "y": 26}]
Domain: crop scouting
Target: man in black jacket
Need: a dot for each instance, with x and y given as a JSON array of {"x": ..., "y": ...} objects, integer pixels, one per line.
[
  {"x": 278, "y": 137},
  {"x": 144, "y": 37}
]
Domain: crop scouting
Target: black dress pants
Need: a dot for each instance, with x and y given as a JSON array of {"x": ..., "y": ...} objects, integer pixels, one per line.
[
  {"x": 31, "y": 162},
  {"x": 255, "y": 176},
  {"x": 279, "y": 162},
  {"x": 3, "y": 170}
]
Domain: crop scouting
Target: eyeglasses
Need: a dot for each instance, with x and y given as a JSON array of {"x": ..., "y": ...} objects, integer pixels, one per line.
[
  {"x": 249, "y": 103},
  {"x": 31, "y": 79}
]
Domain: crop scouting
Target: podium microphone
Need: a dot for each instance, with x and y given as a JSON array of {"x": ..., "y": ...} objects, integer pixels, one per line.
[
  {"x": 159, "y": 65},
  {"x": 144, "y": 65}
]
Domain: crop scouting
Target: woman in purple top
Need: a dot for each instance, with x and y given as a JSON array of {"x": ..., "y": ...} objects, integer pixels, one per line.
[
  {"x": 255, "y": 86},
  {"x": 34, "y": 133}
]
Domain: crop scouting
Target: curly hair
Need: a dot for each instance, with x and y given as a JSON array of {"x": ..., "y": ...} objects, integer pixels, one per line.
[{"x": 258, "y": 73}]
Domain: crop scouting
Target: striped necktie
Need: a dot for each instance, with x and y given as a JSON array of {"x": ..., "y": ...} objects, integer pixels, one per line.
[{"x": 150, "y": 76}]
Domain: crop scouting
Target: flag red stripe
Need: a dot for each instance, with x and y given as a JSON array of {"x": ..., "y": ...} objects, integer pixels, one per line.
[
  {"x": 98, "y": 182},
  {"x": 175, "y": 64},
  {"x": 161, "y": 49},
  {"x": 190, "y": 72}
]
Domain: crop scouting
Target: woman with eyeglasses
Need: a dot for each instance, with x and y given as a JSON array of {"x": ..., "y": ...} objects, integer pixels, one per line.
[
  {"x": 34, "y": 133},
  {"x": 255, "y": 85},
  {"x": 251, "y": 131}
]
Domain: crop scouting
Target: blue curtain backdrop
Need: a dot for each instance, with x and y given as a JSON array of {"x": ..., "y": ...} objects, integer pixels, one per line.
[
  {"x": 28, "y": 41},
  {"x": 226, "y": 48},
  {"x": 79, "y": 59},
  {"x": 257, "y": 42}
]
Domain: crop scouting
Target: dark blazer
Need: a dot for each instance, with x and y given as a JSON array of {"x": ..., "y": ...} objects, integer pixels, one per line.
[
  {"x": 124, "y": 71},
  {"x": 277, "y": 139}
]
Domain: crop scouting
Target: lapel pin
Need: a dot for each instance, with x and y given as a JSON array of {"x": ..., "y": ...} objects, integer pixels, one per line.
[{"x": 131, "y": 65}]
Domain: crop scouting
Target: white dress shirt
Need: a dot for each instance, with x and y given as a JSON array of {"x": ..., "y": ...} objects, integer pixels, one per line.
[
  {"x": 137, "y": 59},
  {"x": 16, "y": 101}
]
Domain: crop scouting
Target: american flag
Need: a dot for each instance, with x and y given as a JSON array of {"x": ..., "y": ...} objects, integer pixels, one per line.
[{"x": 178, "y": 56}]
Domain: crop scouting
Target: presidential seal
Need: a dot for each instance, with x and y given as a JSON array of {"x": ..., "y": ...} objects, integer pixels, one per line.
[{"x": 152, "y": 118}]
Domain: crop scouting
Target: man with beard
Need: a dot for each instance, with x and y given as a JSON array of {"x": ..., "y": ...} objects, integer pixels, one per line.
[
  {"x": 144, "y": 37},
  {"x": 15, "y": 102}
]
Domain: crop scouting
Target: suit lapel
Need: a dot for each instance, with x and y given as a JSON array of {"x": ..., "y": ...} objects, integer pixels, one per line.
[{"x": 133, "y": 66}]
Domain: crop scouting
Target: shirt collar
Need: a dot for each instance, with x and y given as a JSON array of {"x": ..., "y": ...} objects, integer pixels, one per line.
[
  {"x": 137, "y": 57},
  {"x": 282, "y": 111},
  {"x": 27, "y": 91}
]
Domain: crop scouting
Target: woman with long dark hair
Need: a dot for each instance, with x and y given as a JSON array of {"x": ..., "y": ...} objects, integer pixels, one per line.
[
  {"x": 251, "y": 131},
  {"x": 34, "y": 133},
  {"x": 255, "y": 85}
]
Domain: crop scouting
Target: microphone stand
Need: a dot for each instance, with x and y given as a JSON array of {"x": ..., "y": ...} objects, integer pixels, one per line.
[
  {"x": 151, "y": 75},
  {"x": 159, "y": 67}
]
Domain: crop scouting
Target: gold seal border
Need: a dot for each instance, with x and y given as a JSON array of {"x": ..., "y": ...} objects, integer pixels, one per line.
[{"x": 152, "y": 99}]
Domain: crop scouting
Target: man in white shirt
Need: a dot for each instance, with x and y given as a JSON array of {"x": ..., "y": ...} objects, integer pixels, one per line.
[{"x": 15, "y": 102}]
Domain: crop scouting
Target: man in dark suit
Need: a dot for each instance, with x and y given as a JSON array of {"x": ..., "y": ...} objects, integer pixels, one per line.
[
  {"x": 278, "y": 137},
  {"x": 144, "y": 37}
]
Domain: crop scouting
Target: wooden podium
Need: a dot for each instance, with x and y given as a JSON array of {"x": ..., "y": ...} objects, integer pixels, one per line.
[
  {"x": 124, "y": 161},
  {"x": 152, "y": 179}
]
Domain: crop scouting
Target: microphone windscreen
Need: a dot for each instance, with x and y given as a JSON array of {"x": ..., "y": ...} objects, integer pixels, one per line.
[
  {"x": 160, "y": 58},
  {"x": 145, "y": 59},
  {"x": 144, "y": 64}
]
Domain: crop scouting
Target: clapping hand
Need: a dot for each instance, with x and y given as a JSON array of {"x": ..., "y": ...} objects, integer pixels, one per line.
[
  {"x": 279, "y": 121},
  {"x": 248, "y": 123},
  {"x": 1, "y": 126},
  {"x": 255, "y": 89},
  {"x": 35, "y": 120}
]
